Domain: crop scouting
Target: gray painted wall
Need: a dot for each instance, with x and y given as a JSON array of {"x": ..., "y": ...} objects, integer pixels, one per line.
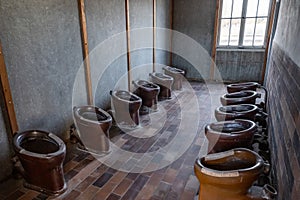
[
  {"x": 239, "y": 65},
  {"x": 41, "y": 43},
  {"x": 163, "y": 37},
  {"x": 288, "y": 29},
  {"x": 106, "y": 27},
  {"x": 42, "y": 49},
  {"x": 141, "y": 41},
  {"x": 195, "y": 18}
]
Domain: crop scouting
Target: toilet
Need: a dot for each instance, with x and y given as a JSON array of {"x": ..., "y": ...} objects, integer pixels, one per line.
[
  {"x": 41, "y": 155},
  {"x": 242, "y": 97},
  {"x": 177, "y": 75},
  {"x": 237, "y": 87},
  {"x": 164, "y": 82},
  {"x": 229, "y": 175},
  {"x": 226, "y": 135},
  {"x": 126, "y": 107},
  {"x": 241, "y": 111},
  {"x": 149, "y": 93},
  {"x": 93, "y": 126}
]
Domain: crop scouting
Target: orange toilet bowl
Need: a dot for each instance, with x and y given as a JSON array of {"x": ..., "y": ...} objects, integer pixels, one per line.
[{"x": 229, "y": 175}]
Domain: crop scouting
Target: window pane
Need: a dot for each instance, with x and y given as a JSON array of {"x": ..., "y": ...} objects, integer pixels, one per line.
[
  {"x": 249, "y": 31},
  {"x": 235, "y": 32},
  {"x": 260, "y": 32},
  {"x": 226, "y": 11},
  {"x": 263, "y": 7},
  {"x": 237, "y": 8},
  {"x": 251, "y": 8},
  {"x": 224, "y": 32}
]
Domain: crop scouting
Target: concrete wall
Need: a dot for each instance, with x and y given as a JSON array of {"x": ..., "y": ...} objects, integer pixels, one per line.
[
  {"x": 42, "y": 49},
  {"x": 106, "y": 27},
  {"x": 240, "y": 65},
  {"x": 41, "y": 44},
  {"x": 163, "y": 37},
  {"x": 283, "y": 84},
  {"x": 194, "y": 18},
  {"x": 141, "y": 39}
]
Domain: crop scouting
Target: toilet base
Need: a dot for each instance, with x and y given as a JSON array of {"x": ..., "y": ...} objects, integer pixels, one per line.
[
  {"x": 82, "y": 148},
  {"x": 45, "y": 191}
]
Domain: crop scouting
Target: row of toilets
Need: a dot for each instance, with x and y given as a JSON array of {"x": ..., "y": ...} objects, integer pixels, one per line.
[
  {"x": 232, "y": 170},
  {"x": 40, "y": 154}
]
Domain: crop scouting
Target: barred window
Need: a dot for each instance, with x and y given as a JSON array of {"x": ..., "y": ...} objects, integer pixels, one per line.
[{"x": 243, "y": 23}]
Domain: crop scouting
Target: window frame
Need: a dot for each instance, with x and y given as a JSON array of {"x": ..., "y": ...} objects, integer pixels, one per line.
[{"x": 242, "y": 26}]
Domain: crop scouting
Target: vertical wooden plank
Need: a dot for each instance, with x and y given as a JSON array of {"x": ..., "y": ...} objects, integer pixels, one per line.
[
  {"x": 154, "y": 34},
  {"x": 128, "y": 42},
  {"x": 268, "y": 40},
  {"x": 85, "y": 49},
  {"x": 7, "y": 94},
  {"x": 214, "y": 48},
  {"x": 171, "y": 32}
]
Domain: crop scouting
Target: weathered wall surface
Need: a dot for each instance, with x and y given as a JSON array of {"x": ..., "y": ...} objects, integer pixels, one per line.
[
  {"x": 195, "y": 18},
  {"x": 283, "y": 84},
  {"x": 106, "y": 27},
  {"x": 240, "y": 65},
  {"x": 42, "y": 49},
  {"x": 163, "y": 37}
]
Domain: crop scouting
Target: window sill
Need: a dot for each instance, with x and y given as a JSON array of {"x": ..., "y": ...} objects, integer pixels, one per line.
[{"x": 241, "y": 49}]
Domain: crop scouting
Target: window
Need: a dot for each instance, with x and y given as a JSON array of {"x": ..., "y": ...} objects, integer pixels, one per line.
[{"x": 243, "y": 23}]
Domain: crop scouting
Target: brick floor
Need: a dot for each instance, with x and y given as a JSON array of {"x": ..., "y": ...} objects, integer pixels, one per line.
[{"x": 88, "y": 178}]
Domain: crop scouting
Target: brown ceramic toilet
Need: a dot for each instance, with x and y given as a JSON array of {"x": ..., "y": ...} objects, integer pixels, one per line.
[
  {"x": 226, "y": 135},
  {"x": 164, "y": 82},
  {"x": 148, "y": 92},
  {"x": 241, "y": 111},
  {"x": 41, "y": 154},
  {"x": 177, "y": 75},
  {"x": 229, "y": 175},
  {"x": 126, "y": 107},
  {"x": 242, "y": 97},
  {"x": 237, "y": 87},
  {"x": 93, "y": 126}
]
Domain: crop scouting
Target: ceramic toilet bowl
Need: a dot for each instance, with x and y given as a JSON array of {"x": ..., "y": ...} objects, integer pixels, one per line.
[
  {"x": 93, "y": 126},
  {"x": 226, "y": 135},
  {"x": 41, "y": 154},
  {"x": 228, "y": 175},
  {"x": 242, "y": 97},
  {"x": 177, "y": 75},
  {"x": 148, "y": 92},
  {"x": 241, "y": 111},
  {"x": 164, "y": 82},
  {"x": 126, "y": 107},
  {"x": 237, "y": 87}
]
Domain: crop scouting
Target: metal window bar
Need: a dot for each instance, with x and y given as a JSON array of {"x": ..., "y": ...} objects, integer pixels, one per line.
[
  {"x": 255, "y": 23},
  {"x": 220, "y": 20},
  {"x": 244, "y": 17},
  {"x": 243, "y": 21},
  {"x": 232, "y": 2}
]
